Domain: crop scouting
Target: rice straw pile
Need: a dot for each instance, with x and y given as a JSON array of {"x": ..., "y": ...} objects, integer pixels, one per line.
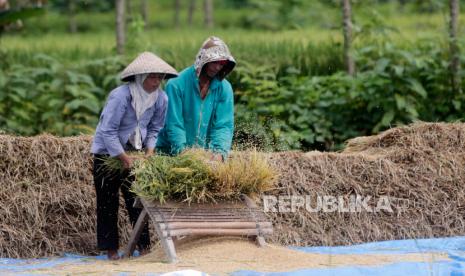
[
  {"x": 48, "y": 198},
  {"x": 420, "y": 168}
]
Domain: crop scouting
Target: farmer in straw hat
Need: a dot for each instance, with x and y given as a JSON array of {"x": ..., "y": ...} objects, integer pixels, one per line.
[
  {"x": 201, "y": 105},
  {"x": 131, "y": 120}
]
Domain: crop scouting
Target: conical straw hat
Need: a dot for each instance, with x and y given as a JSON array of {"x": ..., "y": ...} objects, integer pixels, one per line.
[{"x": 148, "y": 63}]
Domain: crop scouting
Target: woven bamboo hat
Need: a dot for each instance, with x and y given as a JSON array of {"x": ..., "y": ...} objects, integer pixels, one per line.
[{"x": 148, "y": 62}]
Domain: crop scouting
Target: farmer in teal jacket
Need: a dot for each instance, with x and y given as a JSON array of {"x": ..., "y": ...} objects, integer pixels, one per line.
[{"x": 201, "y": 104}]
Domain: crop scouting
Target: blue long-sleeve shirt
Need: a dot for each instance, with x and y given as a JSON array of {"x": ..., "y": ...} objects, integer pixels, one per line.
[
  {"x": 193, "y": 122},
  {"x": 118, "y": 121}
]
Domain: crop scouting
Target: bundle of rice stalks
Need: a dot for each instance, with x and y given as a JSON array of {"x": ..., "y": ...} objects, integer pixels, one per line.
[
  {"x": 184, "y": 177},
  {"x": 115, "y": 164},
  {"x": 244, "y": 173},
  {"x": 193, "y": 177}
]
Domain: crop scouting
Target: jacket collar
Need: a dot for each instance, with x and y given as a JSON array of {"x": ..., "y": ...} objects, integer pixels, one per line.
[{"x": 215, "y": 83}]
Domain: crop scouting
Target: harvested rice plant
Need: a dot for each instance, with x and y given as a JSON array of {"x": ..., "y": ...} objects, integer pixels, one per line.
[{"x": 193, "y": 177}]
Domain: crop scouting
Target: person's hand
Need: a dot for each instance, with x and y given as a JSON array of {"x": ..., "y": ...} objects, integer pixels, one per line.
[
  {"x": 149, "y": 152},
  {"x": 216, "y": 157},
  {"x": 127, "y": 160}
]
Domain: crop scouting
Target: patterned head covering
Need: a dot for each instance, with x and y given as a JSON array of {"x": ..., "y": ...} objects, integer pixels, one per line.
[
  {"x": 147, "y": 63},
  {"x": 214, "y": 49}
]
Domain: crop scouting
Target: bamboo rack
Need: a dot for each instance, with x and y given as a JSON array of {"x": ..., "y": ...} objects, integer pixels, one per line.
[{"x": 173, "y": 220}]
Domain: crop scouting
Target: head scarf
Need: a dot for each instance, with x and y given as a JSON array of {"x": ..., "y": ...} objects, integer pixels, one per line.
[
  {"x": 141, "y": 101},
  {"x": 214, "y": 49}
]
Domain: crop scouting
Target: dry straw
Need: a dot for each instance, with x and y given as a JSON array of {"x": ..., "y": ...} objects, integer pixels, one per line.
[
  {"x": 419, "y": 167},
  {"x": 243, "y": 173},
  {"x": 48, "y": 199}
]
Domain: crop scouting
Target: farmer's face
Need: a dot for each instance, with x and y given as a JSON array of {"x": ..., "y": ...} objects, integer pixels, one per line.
[
  {"x": 152, "y": 82},
  {"x": 213, "y": 68}
]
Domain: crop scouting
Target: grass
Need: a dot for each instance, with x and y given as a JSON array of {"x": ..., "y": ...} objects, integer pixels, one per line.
[
  {"x": 179, "y": 48},
  {"x": 48, "y": 34},
  {"x": 314, "y": 50},
  {"x": 320, "y": 49}
]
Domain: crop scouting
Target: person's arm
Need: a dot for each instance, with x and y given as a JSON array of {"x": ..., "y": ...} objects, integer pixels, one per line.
[
  {"x": 222, "y": 127},
  {"x": 110, "y": 120},
  {"x": 174, "y": 125},
  {"x": 155, "y": 125}
]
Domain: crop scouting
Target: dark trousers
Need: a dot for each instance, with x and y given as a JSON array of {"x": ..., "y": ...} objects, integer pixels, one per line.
[{"x": 107, "y": 185}]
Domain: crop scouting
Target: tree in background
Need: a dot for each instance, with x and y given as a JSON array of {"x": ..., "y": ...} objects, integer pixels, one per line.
[
  {"x": 13, "y": 12},
  {"x": 72, "y": 16},
  {"x": 454, "y": 48},
  {"x": 347, "y": 30},
  {"x": 120, "y": 25},
  {"x": 128, "y": 11},
  {"x": 208, "y": 13},
  {"x": 144, "y": 12},
  {"x": 83, "y": 5},
  {"x": 428, "y": 6},
  {"x": 73, "y": 7},
  {"x": 177, "y": 11},
  {"x": 190, "y": 12}
]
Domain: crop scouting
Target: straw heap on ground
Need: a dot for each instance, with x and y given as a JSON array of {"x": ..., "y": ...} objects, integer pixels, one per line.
[{"x": 49, "y": 201}]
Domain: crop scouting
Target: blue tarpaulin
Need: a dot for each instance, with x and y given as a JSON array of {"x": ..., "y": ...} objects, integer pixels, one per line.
[{"x": 454, "y": 248}]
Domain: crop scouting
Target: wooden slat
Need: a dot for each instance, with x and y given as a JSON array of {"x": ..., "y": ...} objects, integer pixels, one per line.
[
  {"x": 138, "y": 227},
  {"x": 193, "y": 213},
  {"x": 193, "y": 205},
  {"x": 200, "y": 218},
  {"x": 204, "y": 216},
  {"x": 248, "y": 201},
  {"x": 203, "y": 207},
  {"x": 137, "y": 203},
  {"x": 228, "y": 225},
  {"x": 212, "y": 212},
  {"x": 229, "y": 232},
  {"x": 209, "y": 217},
  {"x": 166, "y": 242},
  {"x": 161, "y": 217},
  {"x": 251, "y": 204},
  {"x": 230, "y": 214},
  {"x": 204, "y": 220}
]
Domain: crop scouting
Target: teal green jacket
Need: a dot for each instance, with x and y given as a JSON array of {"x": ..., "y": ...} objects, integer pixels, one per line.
[{"x": 193, "y": 122}]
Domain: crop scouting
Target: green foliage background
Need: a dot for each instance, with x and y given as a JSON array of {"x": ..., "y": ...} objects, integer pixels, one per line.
[{"x": 290, "y": 86}]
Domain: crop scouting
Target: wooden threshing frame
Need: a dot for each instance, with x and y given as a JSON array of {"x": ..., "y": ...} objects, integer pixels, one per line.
[{"x": 173, "y": 220}]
